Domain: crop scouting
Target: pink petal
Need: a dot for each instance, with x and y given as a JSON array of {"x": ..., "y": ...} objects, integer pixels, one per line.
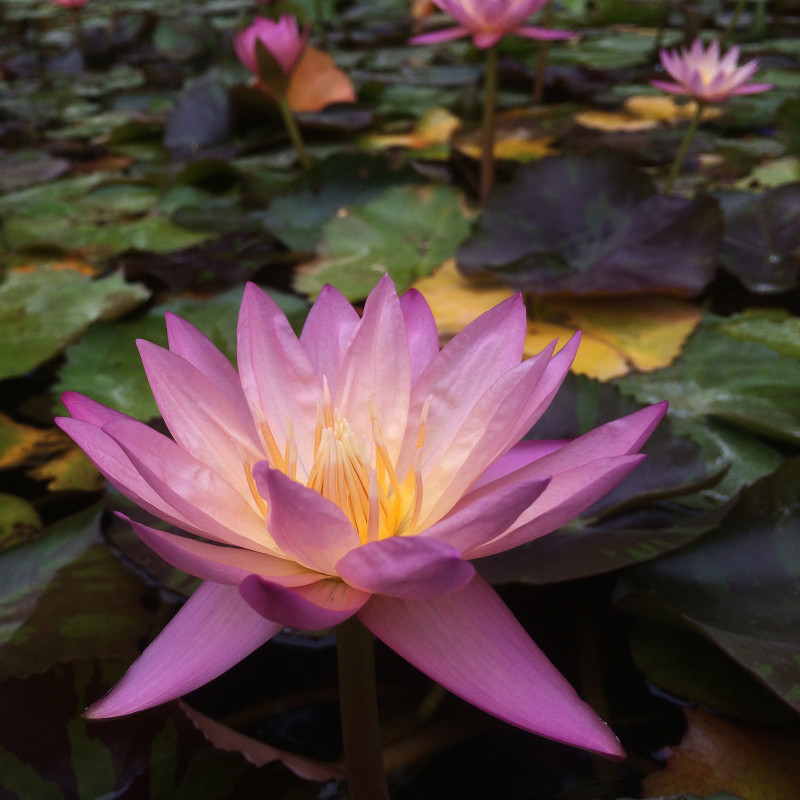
[
  {"x": 375, "y": 374},
  {"x": 88, "y": 410},
  {"x": 305, "y": 526},
  {"x": 198, "y": 415},
  {"x": 568, "y": 494},
  {"x": 446, "y": 35},
  {"x": 486, "y": 512},
  {"x": 187, "y": 342},
  {"x": 277, "y": 377},
  {"x": 485, "y": 40},
  {"x": 532, "y": 32},
  {"x": 112, "y": 461},
  {"x": 198, "y": 493},
  {"x": 411, "y": 567},
  {"x": 229, "y": 565},
  {"x": 667, "y": 86},
  {"x": 313, "y": 607},
  {"x": 520, "y": 455},
  {"x": 470, "y": 643},
  {"x": 212, "y": 632},
  {"x": 328, "y": 330},
  {"x": 423, "y": 336}
]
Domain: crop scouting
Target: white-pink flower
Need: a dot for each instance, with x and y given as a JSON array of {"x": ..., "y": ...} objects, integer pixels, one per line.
[
  {"x": 702, "y": 74},
  {"x": 357, "y": 470},
  {"x": 284, "y": 40},
  {"x": 487, "y": 21}
]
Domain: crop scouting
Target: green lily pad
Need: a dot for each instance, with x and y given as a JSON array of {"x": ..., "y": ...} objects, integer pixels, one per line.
[
  {"x": 19, "y": 520},
  {"x": 43, "y": 310},
  {"x": 737, "y": 586},
  {"x": 593, "y": 225},
  {"x": 105, "y": 364},
  {"x": 28, "y": 568},
  {"x": 406, "y": 232},
  {"x": 761, "y": 245},
  {"x": 745, "y": 384}
]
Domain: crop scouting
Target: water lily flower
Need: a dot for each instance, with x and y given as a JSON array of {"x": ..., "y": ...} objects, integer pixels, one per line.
[
  {"x": 72, "y": 3},
  {"x": 487, "y": 21},
  {"x": 356, "y": 470},
  {"x": 702, "y": 74},
  {"x": 284, "y": 40}
]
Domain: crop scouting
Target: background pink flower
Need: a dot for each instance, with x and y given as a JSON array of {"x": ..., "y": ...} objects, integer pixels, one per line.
[
  {"x": 702, "y": 74},
  {"x": 282, "y": 38},
  {"x": 357, "y": 470},
  {"x": 487, "y": 21},
  {"x": 72, "y": 3}
]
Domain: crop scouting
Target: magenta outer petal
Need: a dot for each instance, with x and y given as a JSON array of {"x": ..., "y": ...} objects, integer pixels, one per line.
[
  {"x": 229, "y": 565},
  {"x": 532, "y": 32},
  {"x": 568, "y": 494},
  {"x": 470, "y": 643},
  {"x": 484, "y": 40},
  {"x": 484, "y": 513},
  {"x": 313, "y": 607},
  {"x": 520, "y": 455},
  {"x": 327, "y": 332},
  {"x": 213, "y": 631},
  {"x": 410, "y": 567},
  {"x": 446, "y": 35},
  {"x": 423, "y": 335},
  {"x": 305, "y": 526},
  {"x": 667, "y": 86}
]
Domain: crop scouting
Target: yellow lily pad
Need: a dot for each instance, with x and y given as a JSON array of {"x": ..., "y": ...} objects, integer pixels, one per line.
[
  {"x": 70, "y": 470},
  {"x": 435, "y": 127},
  {"x": 19, "y": 443},
  {"x": 619, "y": 334}
]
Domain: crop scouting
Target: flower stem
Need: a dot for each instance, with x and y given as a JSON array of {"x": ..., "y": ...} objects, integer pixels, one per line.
[
  {"x": 358, "y": 700},
  {"x": 732, "y": 23},
  {"x": 541, "y": 57},
  {"x": 489, "y": 103},
  {"x": 676, "y": 165},
  {"x": 295, "y": 137}
]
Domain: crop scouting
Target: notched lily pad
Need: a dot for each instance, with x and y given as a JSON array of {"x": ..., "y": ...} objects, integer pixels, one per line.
[
  {"x": 761, "y": 245},
  {"x": 593, "y": 225},
  {"x": 738, "y": 586}
]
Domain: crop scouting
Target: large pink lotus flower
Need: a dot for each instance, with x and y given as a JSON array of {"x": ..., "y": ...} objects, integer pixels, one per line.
[
  {"x": 283, "y": 39},
  {"x": 356, "y": 471},
  {"x": 72, "y": 3},
  {"x": 487, "y": 21},
  {"x": 702, "y": 74}
]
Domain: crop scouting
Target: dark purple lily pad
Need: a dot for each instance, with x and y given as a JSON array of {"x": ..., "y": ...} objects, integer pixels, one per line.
[{"x": 593, "y": 225}]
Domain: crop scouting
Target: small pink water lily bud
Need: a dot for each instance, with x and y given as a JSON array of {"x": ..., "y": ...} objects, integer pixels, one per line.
[
  {"x": 357, "y": 470},
  {"x": 487, "y": 21},
  {"x": 701, "y": 73},
  {"x": 72, "y": 3},
  {"x": 283, "y": 39}
]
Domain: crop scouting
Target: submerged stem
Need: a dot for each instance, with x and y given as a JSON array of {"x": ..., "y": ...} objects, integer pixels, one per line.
[
  {"x": 295, "y": 137},
  {"x": 358, "y": 700},
  {"x": 676, "y": 165},
  {"x": 487, "y": 143}
]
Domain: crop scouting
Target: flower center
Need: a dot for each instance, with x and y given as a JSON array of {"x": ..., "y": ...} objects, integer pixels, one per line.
[{"x": 354, "y": 472}]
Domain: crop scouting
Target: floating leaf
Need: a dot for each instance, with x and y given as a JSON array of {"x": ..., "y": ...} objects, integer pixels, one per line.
[
  {"x": 761, "y": 245},
  {"x": 732, "y": 585},
  {"x": 19, "y": 521},
  {"x": 44, "y": 309},
  {"x": 716, "y": 754},
  {"x": 28, "y": 568},
  {"x": 20, "y": 443},
  {"x": 71, "y": 470},
  {"x": 435, "y": 127},
  {"x": 406, "y": 232},
  {"x": 297, "y": 217},
  {"x": 743, "y": 383},
  {"x": 618, "y": 334},
  {"x": 593, "y": 226}
]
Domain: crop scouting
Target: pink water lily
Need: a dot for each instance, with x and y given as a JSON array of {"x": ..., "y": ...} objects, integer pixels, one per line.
[
  {"x": 702, "y": 74},
  {"x": 72, "y": 3},
  {"x": 487, "y": 21},
  {"x": 356, "y": 471},
  {"x": 283, "y": 39}
]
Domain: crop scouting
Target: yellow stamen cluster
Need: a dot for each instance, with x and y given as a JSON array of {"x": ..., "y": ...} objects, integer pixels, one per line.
[{"x": 354, "y": 472}]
